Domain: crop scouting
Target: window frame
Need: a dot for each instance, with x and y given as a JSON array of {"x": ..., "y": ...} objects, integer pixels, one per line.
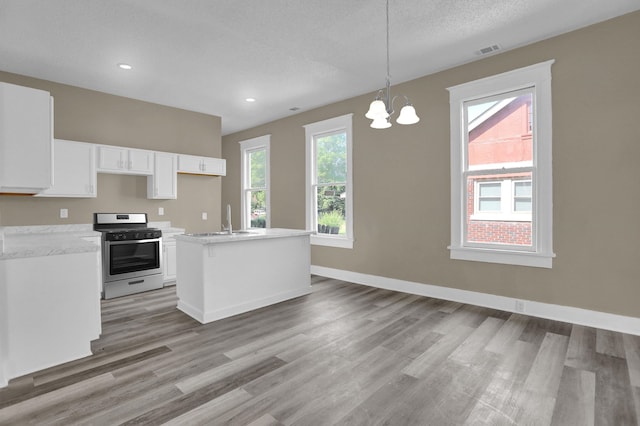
[
  {"x": 246, "y": 148},
  {"x": 343, "y": 123},
  {"x": 537, "y": 78}
]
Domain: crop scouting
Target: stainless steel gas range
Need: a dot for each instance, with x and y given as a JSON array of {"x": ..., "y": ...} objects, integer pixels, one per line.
[{"x": 131, "y": 254}]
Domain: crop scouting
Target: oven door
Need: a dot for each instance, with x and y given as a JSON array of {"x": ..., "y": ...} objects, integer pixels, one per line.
[{"x": 132, "y": 258}]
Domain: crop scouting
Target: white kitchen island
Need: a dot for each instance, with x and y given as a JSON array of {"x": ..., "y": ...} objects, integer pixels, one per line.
[{"x": 223, "y": 275}]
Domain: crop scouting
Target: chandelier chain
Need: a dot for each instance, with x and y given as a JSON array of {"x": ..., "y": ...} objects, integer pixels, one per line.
[{"x": 388, "y": 72}]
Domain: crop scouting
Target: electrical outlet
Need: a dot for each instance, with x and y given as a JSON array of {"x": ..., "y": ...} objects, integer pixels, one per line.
[
  {"x": 160, "y": 211},
  {"x": 520, "y": 306},
  {"x": 204, "y": 215},
  {"x": 64, "y": 213}
]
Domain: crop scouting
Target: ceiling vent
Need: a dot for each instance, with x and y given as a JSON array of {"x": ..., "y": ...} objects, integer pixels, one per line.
[{"x": 489, "y": 49}]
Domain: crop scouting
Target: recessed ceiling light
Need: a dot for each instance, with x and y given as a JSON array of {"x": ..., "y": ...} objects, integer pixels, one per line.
[
  {"x": 125, "y": 66},
  {"x": 250, "y": 99}
]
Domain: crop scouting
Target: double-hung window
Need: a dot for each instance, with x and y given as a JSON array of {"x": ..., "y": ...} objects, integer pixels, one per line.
[
  {"x": 329, "y": 182},
  {"x": 501, "y": 185},
  {"x": 255, "y": 201}
]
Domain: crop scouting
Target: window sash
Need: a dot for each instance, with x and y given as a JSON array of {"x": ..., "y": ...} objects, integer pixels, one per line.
[
  {"x": 247, "y": 148},
  {"x": 315, "y": 185}
]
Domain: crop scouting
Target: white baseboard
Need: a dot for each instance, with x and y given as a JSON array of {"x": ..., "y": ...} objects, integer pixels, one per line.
[
  {"x": 603, "y": 320},
  {"x": 214, "y": 315}
]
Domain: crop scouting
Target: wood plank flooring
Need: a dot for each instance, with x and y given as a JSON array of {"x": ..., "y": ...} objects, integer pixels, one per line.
[{"x": 346, "y": 355}]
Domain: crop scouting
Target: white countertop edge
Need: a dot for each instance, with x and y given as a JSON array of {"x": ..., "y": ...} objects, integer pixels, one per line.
[
  {"x": 253, "y": 234},
  {"x": 48, "y": 240},
  {"x": 47, "y": 251}
]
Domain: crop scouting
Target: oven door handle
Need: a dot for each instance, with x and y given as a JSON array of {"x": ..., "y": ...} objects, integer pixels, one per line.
[{"x": 117, "y": 243}]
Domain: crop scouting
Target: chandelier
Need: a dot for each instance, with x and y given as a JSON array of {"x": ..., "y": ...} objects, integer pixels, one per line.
[{"x": 381, "y": 109}]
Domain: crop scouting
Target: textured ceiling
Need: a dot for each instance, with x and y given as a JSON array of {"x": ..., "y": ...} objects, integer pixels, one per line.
[{"x": 209, "y": 55}]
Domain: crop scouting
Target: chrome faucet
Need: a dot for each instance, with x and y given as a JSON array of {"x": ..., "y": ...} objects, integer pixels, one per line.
[{"x": 228, "y": 228}]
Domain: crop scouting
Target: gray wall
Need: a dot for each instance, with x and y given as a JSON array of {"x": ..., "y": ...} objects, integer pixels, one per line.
[
  {"x": 401, "y": 178},
  {"x": 91, "y": 116}
]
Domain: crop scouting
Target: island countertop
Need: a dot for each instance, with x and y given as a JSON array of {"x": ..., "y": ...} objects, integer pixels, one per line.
[
  {"x": 237, "y": 236},
  {"x": 36, "y": 241}
]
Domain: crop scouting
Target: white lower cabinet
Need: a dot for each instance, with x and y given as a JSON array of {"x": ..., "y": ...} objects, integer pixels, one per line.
[
  {"x": 50, "y": 311},
  {"x": 169, "y": 259},
  {"x": 74, "y": 170}
]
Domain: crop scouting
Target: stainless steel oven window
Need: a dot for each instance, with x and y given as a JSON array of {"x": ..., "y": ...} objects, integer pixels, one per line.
[{"x": 129, "y": 258}]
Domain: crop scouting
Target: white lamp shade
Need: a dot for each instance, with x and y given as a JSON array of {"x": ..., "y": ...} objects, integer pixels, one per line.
[
  {"x": 380, "y": 123},
  {"x": 408, "y": 115},
  {"x": 377, "y": 110}
]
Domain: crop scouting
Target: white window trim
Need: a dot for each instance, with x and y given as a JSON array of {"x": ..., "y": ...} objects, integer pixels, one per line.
[
  {"x": 538, "y": 77},
  {"x": 247, "y": 146},
  {"x": 343, "y": 123},
  {"x": 507, "y": 200}
]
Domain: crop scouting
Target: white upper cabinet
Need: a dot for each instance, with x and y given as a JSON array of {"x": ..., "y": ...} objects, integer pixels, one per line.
[
  {"x": 113, "y": 159},
  {"x": 26, "y": 123},
  {"x": 163, "y": 184},
  {"x": 193, "y": 164},
  {"x": 74, "y": 170}
]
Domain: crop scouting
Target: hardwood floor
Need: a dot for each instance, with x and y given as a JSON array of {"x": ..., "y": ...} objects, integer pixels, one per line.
[{"x": 345, "y": 354}]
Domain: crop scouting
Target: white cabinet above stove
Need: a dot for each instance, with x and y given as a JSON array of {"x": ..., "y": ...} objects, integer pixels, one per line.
[{"x": 113, "y": 159}]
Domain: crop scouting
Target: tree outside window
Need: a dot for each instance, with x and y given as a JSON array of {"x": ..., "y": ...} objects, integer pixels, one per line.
[
  {"x": 257, "y": 188},
  {"x": 331, "y": 172}
]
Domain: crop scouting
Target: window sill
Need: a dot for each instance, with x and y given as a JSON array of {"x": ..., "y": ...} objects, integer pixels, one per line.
[
  {"x": 507, "y": 257},
  {"x": 340, "y": 242},
  {"x": 500, "y": 218}
]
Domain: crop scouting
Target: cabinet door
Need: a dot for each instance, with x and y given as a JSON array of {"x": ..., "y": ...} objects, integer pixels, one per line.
[
  {"x": 74, "y": 170},
  {"x": 189, "y": 164},
  {"x": 214, "y": 166},
  {"x": 169, "y": 260},
  {"x": 140, "y": 161},
  {"x": 201, "y": 165},
  {"x": 163, "y": 185},
  {"x": 112, "y": 159},
  {"x": 26, "y": 137}
]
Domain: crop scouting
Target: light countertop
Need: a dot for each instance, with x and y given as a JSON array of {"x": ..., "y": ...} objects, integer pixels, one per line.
[
  {"x": 50, "y": 240},
  {"x": 44, "y": 240},
  {"x": 253, "y": 234}
]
